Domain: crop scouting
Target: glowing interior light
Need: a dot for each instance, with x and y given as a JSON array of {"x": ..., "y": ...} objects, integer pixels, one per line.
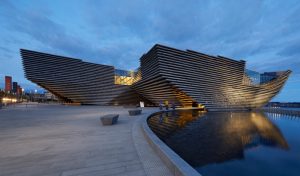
[{"x": 5, "y": 100}]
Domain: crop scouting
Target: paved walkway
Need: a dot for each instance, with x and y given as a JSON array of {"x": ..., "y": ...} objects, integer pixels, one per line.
[{"x": 56, "y": 140}]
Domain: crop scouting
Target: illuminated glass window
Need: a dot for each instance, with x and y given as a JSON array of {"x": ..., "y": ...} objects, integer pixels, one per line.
[
  {"x": 269, "y": 76},
  {"x": 254, "y": 77},
  {"x": 124, "y": 77}
]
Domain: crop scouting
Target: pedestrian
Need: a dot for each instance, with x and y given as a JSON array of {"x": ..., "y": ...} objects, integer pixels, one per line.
[
  {"x": 160, "y": 106},
  {"x": 167, "y": 104},
  {"x": 173, "y": 105}
]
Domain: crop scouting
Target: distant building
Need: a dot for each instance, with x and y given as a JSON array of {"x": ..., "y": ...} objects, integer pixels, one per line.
[
  {"x": 15, "y": 87},
  {"x": 284, "y": 104},
  {"x": 8, "y": 83},
  {"x": 269, "y": 76},
  {"x": 50, "y": 96},
  {"x": 19, "y": 90}
]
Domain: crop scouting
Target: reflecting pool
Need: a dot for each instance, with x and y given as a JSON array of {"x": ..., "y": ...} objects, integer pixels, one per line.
[{"x": 238, "y": 143}]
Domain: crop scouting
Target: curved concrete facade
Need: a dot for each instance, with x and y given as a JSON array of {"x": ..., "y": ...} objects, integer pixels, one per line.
[
  {"x": 184, "y": 78},
  {"x": 187, "y": 77},
  {"x": 74, "y": 80}
]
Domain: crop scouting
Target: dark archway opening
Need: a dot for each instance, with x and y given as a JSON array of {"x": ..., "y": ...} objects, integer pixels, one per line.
[{"x": 194, "y": 104}]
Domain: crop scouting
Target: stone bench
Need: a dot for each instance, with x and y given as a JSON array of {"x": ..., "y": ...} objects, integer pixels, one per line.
[
  {"x": 129, "y": 106},
  {"x": 109, "y": 119},
  {"x": 134, "y": 112}
]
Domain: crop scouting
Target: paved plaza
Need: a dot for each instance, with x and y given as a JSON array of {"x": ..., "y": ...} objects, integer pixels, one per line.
[{"x": 58, "y": 140}]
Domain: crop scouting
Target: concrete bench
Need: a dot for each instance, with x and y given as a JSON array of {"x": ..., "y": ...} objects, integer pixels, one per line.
[
  {"x": 129, "y": 106},
  {"x": 109, "y": 119},
  {"x": 134, "y": 112}
]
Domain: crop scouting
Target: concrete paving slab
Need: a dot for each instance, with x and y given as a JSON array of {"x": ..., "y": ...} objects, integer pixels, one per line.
[{"x": 55, "y": 140}]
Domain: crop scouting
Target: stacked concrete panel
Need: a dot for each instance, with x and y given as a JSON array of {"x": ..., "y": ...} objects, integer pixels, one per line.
[
  {"x": 189, "y": 77},
  {"x": 74, "y": 80},
  {"x": 185, "y": 78}
]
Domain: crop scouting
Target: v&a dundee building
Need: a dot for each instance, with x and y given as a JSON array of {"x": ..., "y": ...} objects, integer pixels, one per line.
[{"x": 185, "y": 78}]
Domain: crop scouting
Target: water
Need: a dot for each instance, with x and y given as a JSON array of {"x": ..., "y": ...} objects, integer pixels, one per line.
[
  {"x": 240, "y": 143},
  {"x": 285, "y": 108},
  {"x": 292, "y": 109}
]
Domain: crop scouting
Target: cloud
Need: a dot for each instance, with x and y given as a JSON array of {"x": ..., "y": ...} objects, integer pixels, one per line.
[
  {"x": 292, "y": 49},
  {"x": 234, "y": 29},
  {"x": 135, "y": 26},
  {"x": 46, "y": 31},
  {"x": 119, "y": 32},
  {"x": 4, "y": 49}
]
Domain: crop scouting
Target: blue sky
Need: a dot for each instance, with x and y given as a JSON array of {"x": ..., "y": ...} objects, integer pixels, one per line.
[{"x": 264, "y": 33}]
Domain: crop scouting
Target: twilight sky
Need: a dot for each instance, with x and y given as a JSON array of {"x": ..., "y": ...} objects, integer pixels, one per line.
[{"x": 265, "y": 33}]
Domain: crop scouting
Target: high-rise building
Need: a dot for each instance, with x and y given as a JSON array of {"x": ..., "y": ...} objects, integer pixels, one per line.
[
  {"x": 8, "y": 83},
  {"x": 15, "y": 87},
  {"x": 19, "y": 90},
  {"x": 186, "y": 78}
]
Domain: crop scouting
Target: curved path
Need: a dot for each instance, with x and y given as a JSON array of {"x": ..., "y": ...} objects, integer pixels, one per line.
[{"x": 56, "y": 140}]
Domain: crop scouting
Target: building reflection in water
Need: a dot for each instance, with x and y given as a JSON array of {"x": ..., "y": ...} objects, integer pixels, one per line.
[{"x": 206, "y": 138}]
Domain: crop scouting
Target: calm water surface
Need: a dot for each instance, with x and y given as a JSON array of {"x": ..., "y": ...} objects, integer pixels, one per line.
[
  {"x": 292, "y": 109},
  {"x": 240, "y": 143}
]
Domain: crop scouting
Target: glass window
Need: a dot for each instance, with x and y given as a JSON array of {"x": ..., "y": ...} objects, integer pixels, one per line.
[{"x": 124, "y": 77}]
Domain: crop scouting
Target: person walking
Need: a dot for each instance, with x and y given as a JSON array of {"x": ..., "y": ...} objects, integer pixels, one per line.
[
  {"x": 167, "y": 105},
  {"x": 173, "y": 105},
  {"x": 160, "y": 106}
]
